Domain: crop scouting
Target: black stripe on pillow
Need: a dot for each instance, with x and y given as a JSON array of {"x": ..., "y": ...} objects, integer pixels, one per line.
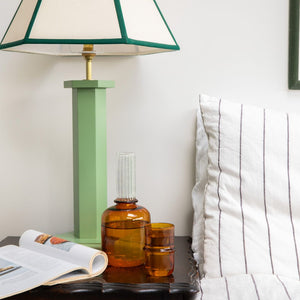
[
  {"x": 284, "y": 287},
  {"x": 289, "y": 190},
  {"x": 255, "y": 286},
  {"x": 227, "y": 289},
  {"x": 264, "y": 189}
]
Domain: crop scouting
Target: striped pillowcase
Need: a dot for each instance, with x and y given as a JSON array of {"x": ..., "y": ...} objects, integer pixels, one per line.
[
  {"x": 198, "y": 193},
  {"x": 252, "y": 200}
]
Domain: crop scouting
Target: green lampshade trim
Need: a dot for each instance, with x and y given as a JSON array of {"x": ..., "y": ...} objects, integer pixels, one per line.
[
  {"x": 151, "y": 44},
  {"x": 126, "y": 41},
  {"x": 37, "y": 7},
  {"x": 12, "y": 44},
  {"x": 11, "y": 22},
  {"x": 165, "y": 22},
  {"x": 121, "y": 19}
]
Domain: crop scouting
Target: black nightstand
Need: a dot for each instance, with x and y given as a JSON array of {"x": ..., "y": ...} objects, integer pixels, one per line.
[{"x": 127, "y": 283}]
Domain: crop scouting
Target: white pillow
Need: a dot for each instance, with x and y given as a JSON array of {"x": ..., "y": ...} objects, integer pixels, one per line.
[
  {"x": 252, "y": 200},
  {"x": 199, "y": 191}
]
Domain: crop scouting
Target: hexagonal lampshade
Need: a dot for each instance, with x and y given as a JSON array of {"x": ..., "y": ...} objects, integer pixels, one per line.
[{"x": 114, "y": 27}]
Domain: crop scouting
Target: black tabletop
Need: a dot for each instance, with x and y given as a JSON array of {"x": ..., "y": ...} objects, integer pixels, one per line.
[{"x": 127, "y": 283}]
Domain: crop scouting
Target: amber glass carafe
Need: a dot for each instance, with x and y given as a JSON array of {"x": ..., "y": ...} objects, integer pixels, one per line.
[
  {"x": 123, "y": 225},
  {"x": 123, "y": 233}
]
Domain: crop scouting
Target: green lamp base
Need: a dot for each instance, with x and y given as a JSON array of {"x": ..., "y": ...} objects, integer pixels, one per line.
[
  {"x": 89, "y": 159},
  {"x": 93, "y": 243}
]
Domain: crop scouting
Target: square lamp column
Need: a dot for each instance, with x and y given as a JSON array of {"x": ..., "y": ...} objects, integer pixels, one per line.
[
  {"x": 88, "y": 28},
  {"x": 89, "y": 158}
]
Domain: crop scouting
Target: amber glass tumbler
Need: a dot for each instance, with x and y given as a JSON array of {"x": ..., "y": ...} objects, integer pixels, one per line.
[{"x": 159, "y": 249}]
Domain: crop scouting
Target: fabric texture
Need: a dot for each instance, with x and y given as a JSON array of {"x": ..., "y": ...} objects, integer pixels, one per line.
[
  {"x": 252, "y": 194},
  {"x": 249, "y": 287},
  {"x": 199, "y": 191}
]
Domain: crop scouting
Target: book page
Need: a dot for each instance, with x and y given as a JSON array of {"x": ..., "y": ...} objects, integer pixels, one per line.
[
  {"x": 22, "y": 269},
  {"x": 93, "y": 260}
]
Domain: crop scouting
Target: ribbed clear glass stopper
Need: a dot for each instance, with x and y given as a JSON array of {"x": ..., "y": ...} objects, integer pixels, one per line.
[{"x": 126, "y": 176}]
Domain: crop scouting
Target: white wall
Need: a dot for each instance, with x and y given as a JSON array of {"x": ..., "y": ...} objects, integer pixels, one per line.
[{"x": 234, "y": 49}]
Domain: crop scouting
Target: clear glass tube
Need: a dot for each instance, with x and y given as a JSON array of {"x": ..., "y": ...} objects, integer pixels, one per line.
[{"x": 126, "y": 176}]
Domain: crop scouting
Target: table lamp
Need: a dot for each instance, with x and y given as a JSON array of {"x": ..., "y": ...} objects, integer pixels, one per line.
[{"x": 88, "y": 28}]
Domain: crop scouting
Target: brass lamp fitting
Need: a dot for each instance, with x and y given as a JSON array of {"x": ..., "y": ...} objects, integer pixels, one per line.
[{"x": 88, "y": 53}]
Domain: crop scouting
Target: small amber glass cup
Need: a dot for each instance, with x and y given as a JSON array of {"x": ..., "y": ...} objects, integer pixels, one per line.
[{"x": 159, "y": 249}]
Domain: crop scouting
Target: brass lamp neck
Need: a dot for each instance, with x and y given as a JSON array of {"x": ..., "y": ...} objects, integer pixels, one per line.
[{"x": 88, "y": 53}]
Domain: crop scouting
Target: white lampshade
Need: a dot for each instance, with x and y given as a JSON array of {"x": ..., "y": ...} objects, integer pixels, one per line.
[{"x": 114, "y": 27}]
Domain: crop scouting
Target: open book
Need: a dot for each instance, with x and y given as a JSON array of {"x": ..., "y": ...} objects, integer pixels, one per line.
[{"x": 42, "y": 259}]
